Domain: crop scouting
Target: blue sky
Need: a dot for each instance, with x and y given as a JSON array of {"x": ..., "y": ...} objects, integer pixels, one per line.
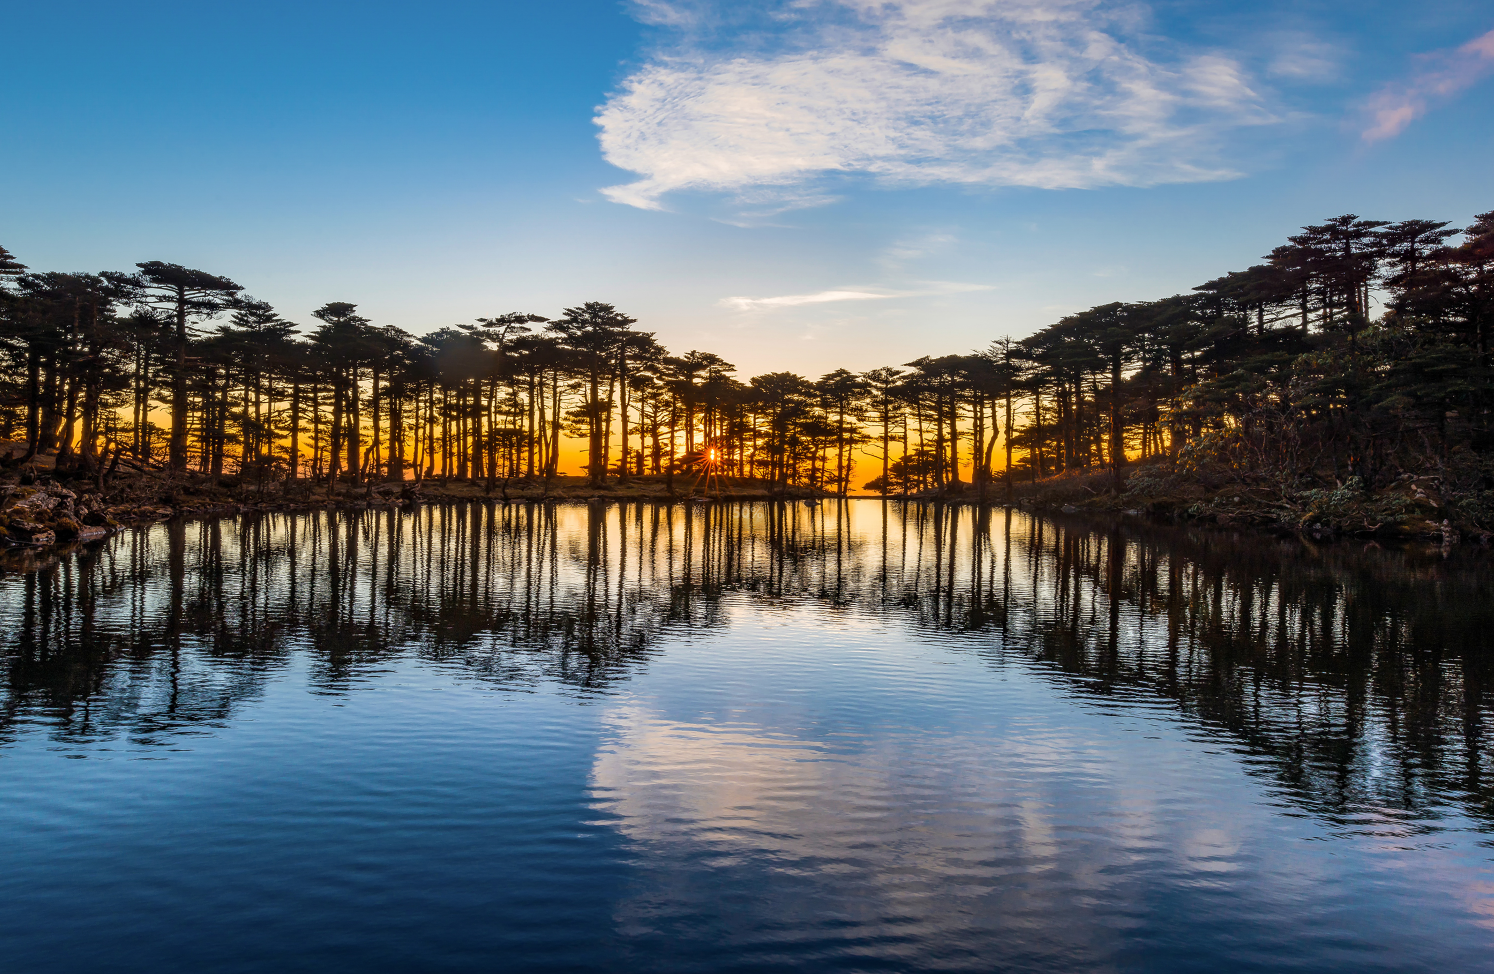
[{"x": 795, "y": 184}]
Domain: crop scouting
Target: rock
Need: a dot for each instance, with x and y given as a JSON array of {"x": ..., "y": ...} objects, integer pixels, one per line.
[
  {"x": 26, "y": 500},
  {"x": 66, "y": 528},
  {"x": 64, "y": 500},
  {"x": 29, "y": 533},
  {"x": 1069, "y": 509},
  {"x": 92, "y": 533}
]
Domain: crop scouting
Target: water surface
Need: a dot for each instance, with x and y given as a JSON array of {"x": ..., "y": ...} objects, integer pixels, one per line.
[{"x": 742, "y": 738}]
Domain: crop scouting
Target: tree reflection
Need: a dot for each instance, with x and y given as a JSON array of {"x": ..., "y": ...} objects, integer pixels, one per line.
[{"x": 1354, "y": 678}]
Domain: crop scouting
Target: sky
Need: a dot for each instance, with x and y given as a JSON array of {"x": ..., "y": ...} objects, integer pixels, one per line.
[{"x": 796, "y": 185}]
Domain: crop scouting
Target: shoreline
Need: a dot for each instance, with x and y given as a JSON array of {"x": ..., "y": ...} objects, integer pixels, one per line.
[
  {"x": 1412, "y": 509},
  {"x": 41, "y": 514}
]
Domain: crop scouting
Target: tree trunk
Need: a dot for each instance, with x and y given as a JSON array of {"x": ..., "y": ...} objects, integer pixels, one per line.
[
  {"x": 69, "y": 421},
  {"x": 33, "y": 403},
  {"x": 177, "y": 450},
  {"x": 594, "y": 431},
  {"x": 1009, "y": 485},
  {"x": 954, "y": 440},
  {"x": 553, "y": 464},
  {"x": 354, "y": 432},
  {"x": 1117, "y": 431},
  {"x": 335, "y": 434},
  {"x": 293, "y": 466}
]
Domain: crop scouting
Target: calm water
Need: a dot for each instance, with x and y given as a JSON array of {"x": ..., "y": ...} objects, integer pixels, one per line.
[{"x": 741, "y": 738}]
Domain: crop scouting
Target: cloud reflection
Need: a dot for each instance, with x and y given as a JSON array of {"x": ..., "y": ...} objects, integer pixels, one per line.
[{"x": 1033, "y": 832}]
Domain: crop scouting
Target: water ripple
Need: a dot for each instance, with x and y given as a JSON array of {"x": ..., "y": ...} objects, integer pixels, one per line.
[{"x": 742, "y": 738}]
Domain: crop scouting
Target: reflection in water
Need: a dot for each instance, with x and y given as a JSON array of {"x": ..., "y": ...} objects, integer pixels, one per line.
[
  {"x": 1358, "y": 679},
  {"x": 741, "y": 737}
]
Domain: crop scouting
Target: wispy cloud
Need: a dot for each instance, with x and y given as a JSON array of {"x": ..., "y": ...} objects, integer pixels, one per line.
[
  {"x": 1439, "y": 76},
  {"x": 847, "y": 294},
  {"x": 900, "y": 252},
  {"x": 1302, "y": 57},
  {"x": 1043, "y": 93},
  {"x": 821, "y": 297}
]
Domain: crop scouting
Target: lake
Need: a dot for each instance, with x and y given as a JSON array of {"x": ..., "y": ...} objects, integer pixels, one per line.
[{"x": 743, "y": 737}]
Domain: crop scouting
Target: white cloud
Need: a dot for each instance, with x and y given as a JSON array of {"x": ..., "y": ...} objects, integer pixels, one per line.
[
  {"x": 794, "y": 300},
  {"x": 1043, "y": 93},
  {"x": 847, "y": 294},
  {"x": 900, "y": 252},
  {"x": 1304, "y": 58},
  {"x": 1440, "y": 76},
  {"x": 664, "y": 13}
]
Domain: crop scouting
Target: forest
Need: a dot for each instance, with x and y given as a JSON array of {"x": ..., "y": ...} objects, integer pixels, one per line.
[{"x": 1354, "y": 358}]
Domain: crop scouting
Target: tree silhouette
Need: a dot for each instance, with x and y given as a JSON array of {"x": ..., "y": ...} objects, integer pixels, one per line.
[
  {"x": 187, "y": 296},
  {"x": 1358, "y": 349},
  {"x": 594, "y": 332}
]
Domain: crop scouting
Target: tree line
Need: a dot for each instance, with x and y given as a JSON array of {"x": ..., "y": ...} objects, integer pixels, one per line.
[{"x": 1359, "y": 348}]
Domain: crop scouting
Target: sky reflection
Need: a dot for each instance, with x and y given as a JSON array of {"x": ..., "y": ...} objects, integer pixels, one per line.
[{"x": 743, "y": 737}]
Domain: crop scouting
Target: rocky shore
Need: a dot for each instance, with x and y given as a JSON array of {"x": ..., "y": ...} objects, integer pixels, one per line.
[
  {"x": 40, "y": 516},
  {"x": 42, "y": 512},
  {"x": 1413, "y": 508}
]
